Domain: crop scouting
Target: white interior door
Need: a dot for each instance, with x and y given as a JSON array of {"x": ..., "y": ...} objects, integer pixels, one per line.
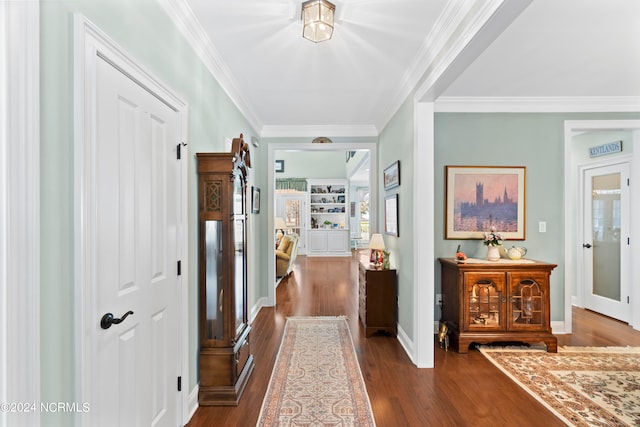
[
  {"x": 606, "y": 240},
  {"x": 134, "y": 365}
]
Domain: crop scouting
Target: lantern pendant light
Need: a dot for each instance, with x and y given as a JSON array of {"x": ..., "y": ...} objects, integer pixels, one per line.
[{"x": 317, "y": 19}]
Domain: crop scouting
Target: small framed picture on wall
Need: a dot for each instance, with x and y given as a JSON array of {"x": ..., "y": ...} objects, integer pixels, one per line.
[
  {"x": 391, "y": 176},
  {"x": 391, "y": 215},
  {"x": 255, "y": 200}
]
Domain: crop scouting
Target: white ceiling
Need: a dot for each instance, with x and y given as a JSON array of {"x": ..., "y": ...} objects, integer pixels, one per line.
[
  {"x": 569, "y": 48},
  {"x": 382, "y": 50}
]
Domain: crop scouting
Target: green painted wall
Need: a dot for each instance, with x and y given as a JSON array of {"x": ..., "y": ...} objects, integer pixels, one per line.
[
  {"x": 396, "y": 143},
  {"x": 141, "y": 27},
  {"x": 312, "y": 164}
]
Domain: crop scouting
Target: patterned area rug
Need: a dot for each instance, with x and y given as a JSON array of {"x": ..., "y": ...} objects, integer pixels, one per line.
[
  {"x": 584, "y": 386},
  {"x": 316, "y": 380}
]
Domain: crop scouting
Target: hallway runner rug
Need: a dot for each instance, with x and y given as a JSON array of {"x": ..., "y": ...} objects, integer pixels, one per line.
[
  {"x": 316, "y": 380},
  {"x": 583, "y": 386}
]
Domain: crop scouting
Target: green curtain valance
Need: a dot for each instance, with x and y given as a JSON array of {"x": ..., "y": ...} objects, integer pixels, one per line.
[{"x": 298, "y": 184}]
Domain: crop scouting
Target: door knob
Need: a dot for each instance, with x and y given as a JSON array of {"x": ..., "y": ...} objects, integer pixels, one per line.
[
  {"x": 586, "y": 245},
  {"x": 108, "y": 319}
]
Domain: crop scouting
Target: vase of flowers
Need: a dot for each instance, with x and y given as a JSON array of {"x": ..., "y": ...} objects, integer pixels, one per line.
[{"x": 493, "y": 240}]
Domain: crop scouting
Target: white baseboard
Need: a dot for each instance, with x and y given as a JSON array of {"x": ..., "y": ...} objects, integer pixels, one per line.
[
  {"x": 256, "y": 308},
  {"x": 193, "y": 401},
  {"x": 406, "y": 343},
  {"x": 558, "y": 327}
]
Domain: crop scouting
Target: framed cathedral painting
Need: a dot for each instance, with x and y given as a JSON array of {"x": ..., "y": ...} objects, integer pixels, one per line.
[{"x": 479, "y": 198}]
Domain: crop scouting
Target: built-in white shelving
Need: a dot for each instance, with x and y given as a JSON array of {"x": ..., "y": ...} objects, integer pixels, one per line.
[{"x": 328, "y": 217}]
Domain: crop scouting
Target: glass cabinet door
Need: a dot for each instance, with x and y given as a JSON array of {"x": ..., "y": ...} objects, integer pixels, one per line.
[
  {"x": 240, "y": 276},
  {"x": 526, "y": 302},
  {"x": 484, "y": 297}
]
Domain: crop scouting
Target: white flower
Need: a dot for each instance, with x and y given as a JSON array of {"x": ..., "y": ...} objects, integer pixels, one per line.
[{"x": 492, "y": 238}]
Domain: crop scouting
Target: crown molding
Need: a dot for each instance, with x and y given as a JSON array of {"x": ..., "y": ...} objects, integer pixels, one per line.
[
  {"x": 552, "y": 104},
  {"x": 442, "y": 30},
  {"x": 184, "y": 19},
  {"x": 457, "y": 26},
  {"x": 351, "y": 131}
]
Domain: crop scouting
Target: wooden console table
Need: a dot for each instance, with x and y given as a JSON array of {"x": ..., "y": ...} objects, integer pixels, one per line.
[{"x": 504, "y": 301}]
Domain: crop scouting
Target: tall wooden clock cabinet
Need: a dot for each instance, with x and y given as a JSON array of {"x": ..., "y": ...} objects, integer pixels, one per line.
[{"x": 226, "y": 362}]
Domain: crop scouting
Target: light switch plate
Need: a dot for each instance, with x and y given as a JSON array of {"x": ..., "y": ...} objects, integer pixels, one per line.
[{"x": 542, "y": 226}]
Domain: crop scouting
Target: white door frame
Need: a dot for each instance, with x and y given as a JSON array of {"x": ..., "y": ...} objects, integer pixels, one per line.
[
  {"x": 573, "y": 233},
  {"x": 422, "y": 350},
  {"x": 20, "y": 209},
  {"x": 89, "y": 42}
]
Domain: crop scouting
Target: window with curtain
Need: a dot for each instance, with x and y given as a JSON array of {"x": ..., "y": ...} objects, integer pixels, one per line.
[{"x": 297, "y": 184}]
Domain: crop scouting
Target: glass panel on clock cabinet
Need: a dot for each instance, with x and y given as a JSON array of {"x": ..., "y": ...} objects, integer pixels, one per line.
[
  {"x": 238, "y": 200},
  {"x": 214, "y": 328},
  {"x": 240, "y": 267},
  {"x": 526, "y": 303},
  {"x": 484, "y": 304}
]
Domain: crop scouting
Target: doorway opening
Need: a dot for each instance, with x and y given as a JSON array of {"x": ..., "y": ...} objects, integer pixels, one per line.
[
  {"x": 580, "y": 135},
  {"x": 294, "y": 164}
]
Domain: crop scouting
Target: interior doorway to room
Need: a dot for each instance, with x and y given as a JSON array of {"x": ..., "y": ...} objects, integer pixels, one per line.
[
  {"x": 295, "y": 168},
  {"x": 603, "y": 207},
  {"x": 297, "y": 162},
  {"x": 606, "y": 239}
]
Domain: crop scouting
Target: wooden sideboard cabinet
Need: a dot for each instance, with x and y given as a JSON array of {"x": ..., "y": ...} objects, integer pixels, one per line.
[
  {"x": 378, "y": 300},
  {"x": 487, "y": 302}
]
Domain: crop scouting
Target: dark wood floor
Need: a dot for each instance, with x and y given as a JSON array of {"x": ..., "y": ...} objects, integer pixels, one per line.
[{"x": 462, "y": 389}]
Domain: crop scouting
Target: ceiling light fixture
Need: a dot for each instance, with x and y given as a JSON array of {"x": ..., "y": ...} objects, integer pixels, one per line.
[
  {"x": 322, "y": 140},
  {"x": 317, "y": 19}
]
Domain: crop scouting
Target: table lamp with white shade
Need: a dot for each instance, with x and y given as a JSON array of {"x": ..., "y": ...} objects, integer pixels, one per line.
[{"x": 376, "y": 244}]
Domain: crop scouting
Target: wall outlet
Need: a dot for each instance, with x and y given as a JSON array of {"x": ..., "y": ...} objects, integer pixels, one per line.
[{"x": 438, "y": 299}]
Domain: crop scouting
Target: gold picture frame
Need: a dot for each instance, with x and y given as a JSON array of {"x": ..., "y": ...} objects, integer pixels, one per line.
[{"x": 480, "y": 197}]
